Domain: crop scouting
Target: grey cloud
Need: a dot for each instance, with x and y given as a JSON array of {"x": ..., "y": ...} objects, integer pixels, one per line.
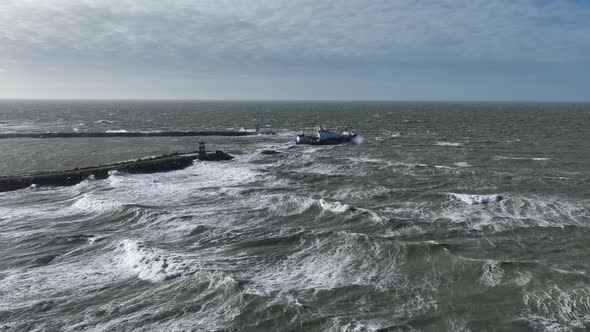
[
  {"x": 349, "y": 48},
  {"x": 378, "y": 30}
]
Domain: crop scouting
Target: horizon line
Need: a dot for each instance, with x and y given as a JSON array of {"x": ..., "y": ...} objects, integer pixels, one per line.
[{"x": 302, "y": 100}]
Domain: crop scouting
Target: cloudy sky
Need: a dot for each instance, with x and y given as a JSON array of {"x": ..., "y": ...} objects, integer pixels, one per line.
[{"x": 296, "y": 49}]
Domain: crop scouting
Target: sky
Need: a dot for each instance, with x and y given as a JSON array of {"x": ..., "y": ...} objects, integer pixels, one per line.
[{"x": 529, "y": 50}]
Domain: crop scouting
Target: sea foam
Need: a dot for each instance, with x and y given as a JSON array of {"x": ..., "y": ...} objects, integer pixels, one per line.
[
  {"x": 454, "y": 144},
  {"x": 477, "y": 199},
  {"x": 153, "y": 264}
]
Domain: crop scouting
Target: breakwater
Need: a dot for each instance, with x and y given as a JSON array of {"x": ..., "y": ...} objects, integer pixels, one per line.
[
  {"x": 127, "y": 134},
  {"x": 162, "y": 163}
]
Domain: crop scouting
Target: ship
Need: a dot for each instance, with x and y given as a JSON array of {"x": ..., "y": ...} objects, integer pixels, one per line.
[{"x": 323, "y": 136}]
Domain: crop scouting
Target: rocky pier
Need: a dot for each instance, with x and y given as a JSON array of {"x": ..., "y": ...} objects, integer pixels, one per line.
[{"x": 162, "y": 163}]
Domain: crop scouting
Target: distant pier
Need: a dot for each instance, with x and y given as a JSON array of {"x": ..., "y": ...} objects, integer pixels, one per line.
[
  {"x": 162, "y": 163},
  {"x": 128, "y": 134}
]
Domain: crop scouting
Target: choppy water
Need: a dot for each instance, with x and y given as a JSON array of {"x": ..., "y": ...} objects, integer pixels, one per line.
[{"x": 393, "y": 233}]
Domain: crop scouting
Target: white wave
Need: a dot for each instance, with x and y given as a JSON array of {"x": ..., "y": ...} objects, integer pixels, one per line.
[
  {"x": 347, "y": 259},
  {"x": 338, "y": 208},
  {"x": 458, "y": 324},
  {"x": 272, "y": 205},
  {"x": 335, "y": 207},
  {"x": 285, "y": 133},
  {"x": 279, "y": 204},
  {"x": 339, "y": 325},
  {"x": 104, "y": 121},
  {"x": 514, "y": 212},
  {"x": 48, "y": 205},
  {"x": 96, "y": 204},
  {"x": 477, "y": 199},
  {"x": 203, "y": 179},
  {"x": 442, "y": 143},
  {"x": 358, "y": 140},
  {"x": 521, "y": 158},
  {"x": 91, "y": 240},
  {"x": 547, "y": 211},
  {"x": 557, "y": 177},
  {"x": 153, "y": 264},
  {"x": 80, "y": 274},
  {"x": 522, "y": 279},
  {"x": 462, "y": 164},
  {"x": 343, "y": 259},
  {"x": 322, "y": 169},
  {"x": 550, "y": 307},
  {"x": 361, "y": 159},
  {"x": 362, "y": 193},
  {"x": 518, "y": 211},
  {"x": 216, "y": 294},
  {"x": 491, "y": 274},
  {"x": 117, "y": 131}
]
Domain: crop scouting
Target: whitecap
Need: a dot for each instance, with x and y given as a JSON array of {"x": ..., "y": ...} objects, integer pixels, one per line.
[
  {"x": 551, "y": 307},
  {"x": 491, "y": 274},
  {"x": 442, "y": 143},
  {"x": 96, "y": 204},
  {"x": 477, "y": 199},
  {"x": 442, "y": 167},
  {"x": 521, "y": 158},
  {"x": 342, "y": 259},
  {"x": 202, "y": 179},
  {"x": 152, "y": 264},
  {"x": 335, "y": 207},
  {"x": 361, "y": 159},
  {"x": 358, "y": 140},
  {"x": 522, "y": 279}
]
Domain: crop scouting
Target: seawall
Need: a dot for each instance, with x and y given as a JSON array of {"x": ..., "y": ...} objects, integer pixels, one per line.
[
  {"x": 127, "y": 134},
  {"x": 162, "y": 163}
]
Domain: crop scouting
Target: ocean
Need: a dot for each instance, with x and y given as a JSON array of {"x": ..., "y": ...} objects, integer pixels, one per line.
[{"x": 443, "y": 217}]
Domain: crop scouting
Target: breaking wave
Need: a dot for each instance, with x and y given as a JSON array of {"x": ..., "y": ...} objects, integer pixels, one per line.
[
  {"x": 477, "y": 199},
  {"x": 494, "y": 212},
  {"x": 521, "y": 158},
  {"x": 358, "y": 140},
  {"x": 153, "y": 264},
  {"x": 462, "y": 164},
  {"x": 441, "y": 143},
  {"x": 552, "y": 307},
  {"x": 491, "y": 274},
  {"x": 326, "y": 262}
]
